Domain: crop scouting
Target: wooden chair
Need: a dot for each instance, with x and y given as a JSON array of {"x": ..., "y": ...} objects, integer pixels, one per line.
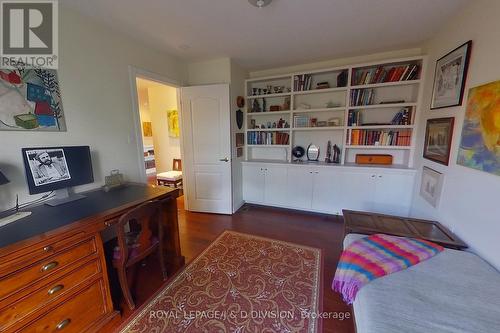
[
  {"x": 145, "y": 238},
  {"x": 173, "y": 177}
]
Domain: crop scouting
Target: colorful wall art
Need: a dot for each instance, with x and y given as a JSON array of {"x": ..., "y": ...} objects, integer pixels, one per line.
[
  {"x": 480, "y": 143},
  {"x": 30, "y": 100},
  {"x": 173, "y": 123}
]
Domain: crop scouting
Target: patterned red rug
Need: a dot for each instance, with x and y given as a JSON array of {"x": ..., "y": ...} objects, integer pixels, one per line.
[{"x": 240, "y": 283}]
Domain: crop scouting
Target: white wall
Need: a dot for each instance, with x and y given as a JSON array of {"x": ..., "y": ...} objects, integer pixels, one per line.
[
  {"x": 238, "y": 76},
  {"x": 96, "y": 96},
  {"x": 470, "y": 201},
  {"x": 209, "y": 72}
]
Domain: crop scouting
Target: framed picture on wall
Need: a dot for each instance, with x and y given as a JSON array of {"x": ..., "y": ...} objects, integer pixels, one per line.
[
  {"x": 449, "y": 77},
  {"x": 438, "y": 135},
  {"x": 431, "y": 186}
]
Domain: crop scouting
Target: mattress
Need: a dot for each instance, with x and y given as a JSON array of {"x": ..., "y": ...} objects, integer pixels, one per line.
[{"x": 454, "y": 291}]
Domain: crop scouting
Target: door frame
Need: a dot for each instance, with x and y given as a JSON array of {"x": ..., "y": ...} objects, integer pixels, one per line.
[{"x": 134, "y": 73}]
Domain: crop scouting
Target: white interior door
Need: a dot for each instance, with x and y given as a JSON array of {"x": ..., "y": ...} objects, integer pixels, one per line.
[{"x": 206, "y": 138}]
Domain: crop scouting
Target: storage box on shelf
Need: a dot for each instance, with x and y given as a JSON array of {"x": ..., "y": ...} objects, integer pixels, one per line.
[{"x": 376, "y": 103}]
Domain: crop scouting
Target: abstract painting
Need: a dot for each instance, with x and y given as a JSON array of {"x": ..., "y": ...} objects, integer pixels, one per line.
[
  {"x": 438, "y": 135},
  {"x": 173, "y": 123},
  {"x": 449, "y": 77},
  {"x": 30, "y": 100},
  {"x": 480, "y": 143}
]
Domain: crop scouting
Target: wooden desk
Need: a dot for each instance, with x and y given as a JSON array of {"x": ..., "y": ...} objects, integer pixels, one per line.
[
  {"x": 372, "y": 223},
  {"x": 53, "y": 271}
]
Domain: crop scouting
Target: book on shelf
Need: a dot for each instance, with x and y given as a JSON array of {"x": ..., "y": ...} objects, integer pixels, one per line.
[
  {"x": 302, "y": 82},
  {"x": 403, "y": 117},
  {"x": 354, "y": 118},
  {"x": 359, "y": 137},
  {"x": 268, "y": 138},
  {"x": 361, "y": 97},
  {"x": 383, "y": 74}
]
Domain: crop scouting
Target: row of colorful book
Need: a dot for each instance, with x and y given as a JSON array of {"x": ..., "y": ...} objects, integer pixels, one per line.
[
  {"x": 302, "y": 82},
  {"x": 268, "y": 138},
  {"x": 357, "y": 137},
  {"x": 382, "y": 75},
  {"x": 362, "y": 97}
]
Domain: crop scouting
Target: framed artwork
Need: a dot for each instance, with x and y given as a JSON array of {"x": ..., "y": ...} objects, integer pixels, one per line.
[
  {"x": 147, "y": 129},
  {"x": 438, "y": 135},
  {"x": 30, "y": 100},
  {"x": 449, "y": 77},
  {"x": 240, "y": 139},
  {"x": 173, "y": 123},
  {"x": 480, "y": 141},
  {"x": 431, "y": 186}
]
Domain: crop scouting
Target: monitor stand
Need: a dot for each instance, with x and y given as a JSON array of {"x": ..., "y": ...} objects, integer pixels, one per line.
[{"x": 63, "y": 196}]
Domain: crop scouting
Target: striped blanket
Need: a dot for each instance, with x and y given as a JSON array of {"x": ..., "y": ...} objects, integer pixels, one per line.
[{"x": 375, "y": 256}]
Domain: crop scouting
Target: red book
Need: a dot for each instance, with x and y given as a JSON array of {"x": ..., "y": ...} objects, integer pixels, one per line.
[{"x": 390, "y": 74}]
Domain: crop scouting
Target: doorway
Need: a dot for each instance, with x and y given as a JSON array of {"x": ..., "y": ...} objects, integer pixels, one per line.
[
  {"x": 199, "y": 131},
  {"x": 158, "y": 131}
]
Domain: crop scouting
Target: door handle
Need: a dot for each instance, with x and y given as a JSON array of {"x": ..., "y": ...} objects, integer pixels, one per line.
[{"x": 224, "y": 159}]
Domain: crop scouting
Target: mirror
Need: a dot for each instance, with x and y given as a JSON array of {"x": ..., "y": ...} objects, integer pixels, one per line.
[{"x": 312, "y": 152}]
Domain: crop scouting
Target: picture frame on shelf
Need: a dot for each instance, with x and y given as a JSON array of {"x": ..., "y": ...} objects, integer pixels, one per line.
[
  {"x": 431, "y": 186},
  {"x": 438, "y": 137},
  {"x": 450, "y": 77},
  {"x": 300, "y": 121}
]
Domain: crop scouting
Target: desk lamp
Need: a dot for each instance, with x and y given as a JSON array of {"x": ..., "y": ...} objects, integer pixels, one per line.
[{"x": 17, "y": 215}]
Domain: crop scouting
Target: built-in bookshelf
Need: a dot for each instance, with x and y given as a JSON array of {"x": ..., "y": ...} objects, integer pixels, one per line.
[{"x": 361, "y": 108}]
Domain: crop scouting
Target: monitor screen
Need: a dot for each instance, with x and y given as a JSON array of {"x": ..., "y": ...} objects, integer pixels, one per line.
[{"x": 53, "y": 168}]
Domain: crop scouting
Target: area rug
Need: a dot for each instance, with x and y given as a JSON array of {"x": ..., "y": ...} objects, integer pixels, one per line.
[{"x": 240, "y": 283}]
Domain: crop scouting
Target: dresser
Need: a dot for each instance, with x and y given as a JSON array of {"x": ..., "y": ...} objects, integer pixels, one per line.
[{"x": 53, "y": 274}]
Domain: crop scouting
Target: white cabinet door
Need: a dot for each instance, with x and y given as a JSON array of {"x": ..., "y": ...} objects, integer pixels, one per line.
[
  {"x": 275, "y": 185},
  {"x": 326, "y": 193},
  {"x": 299, "y": 187},
  {"x": 393, "y": 193},
  {"x": 356, "y": 190},
  {"x": 253, "y": 183}
]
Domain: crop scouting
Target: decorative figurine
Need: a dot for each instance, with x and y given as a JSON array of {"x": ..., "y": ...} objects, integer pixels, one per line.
[
  {"x": 328, "y": 158},
  {"x": 264, "y": 104},
  {"x": 254, "y": 91},
  {"x": 255, "y": 106},
  {"x": 336, "y": 154}
]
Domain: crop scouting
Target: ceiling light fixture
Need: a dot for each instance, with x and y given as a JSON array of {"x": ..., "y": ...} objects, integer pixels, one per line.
[{"x": 259, "y": 3}]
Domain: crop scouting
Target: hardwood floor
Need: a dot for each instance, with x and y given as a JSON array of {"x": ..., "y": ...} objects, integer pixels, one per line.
[{"x": 198, "y": 230}]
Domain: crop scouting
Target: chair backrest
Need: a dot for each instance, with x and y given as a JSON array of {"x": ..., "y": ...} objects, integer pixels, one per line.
[
  {"x": 177, "y": 165},
  {"x": 144, "y": 222}
]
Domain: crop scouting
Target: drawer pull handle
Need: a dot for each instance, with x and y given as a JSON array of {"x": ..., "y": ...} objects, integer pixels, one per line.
[
  {"x": 48, "y": 248},
  {"x": 55, "y": 289},
  {"x": 49, "y": 266},
  {"x": 63, "y": 324}
]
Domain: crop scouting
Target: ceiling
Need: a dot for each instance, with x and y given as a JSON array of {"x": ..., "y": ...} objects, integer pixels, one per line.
[{"x": 287, "y": 32}]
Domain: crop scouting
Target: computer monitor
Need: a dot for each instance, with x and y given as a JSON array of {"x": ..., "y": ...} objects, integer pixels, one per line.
[{"x": 58, "y": 169}]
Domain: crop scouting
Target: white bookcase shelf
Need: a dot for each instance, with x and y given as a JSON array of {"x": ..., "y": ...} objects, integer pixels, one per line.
[{"x": 384, "y": 81}]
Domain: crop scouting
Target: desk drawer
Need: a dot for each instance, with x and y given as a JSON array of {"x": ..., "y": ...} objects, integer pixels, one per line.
[
  {"x": 41, "y": 269},
  {"x": 29, "y": 255},
  {"x": 75, "y": 315},
  {"x": 13, "y": 311}
]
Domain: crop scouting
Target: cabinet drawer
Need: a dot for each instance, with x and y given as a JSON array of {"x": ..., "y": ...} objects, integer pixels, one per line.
[
  {"x": 41, "y": 269},
  {"x": 74, "y": 315},
  {"x": 13, "y": 311},
  {"x": 27, "y": 256}
]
